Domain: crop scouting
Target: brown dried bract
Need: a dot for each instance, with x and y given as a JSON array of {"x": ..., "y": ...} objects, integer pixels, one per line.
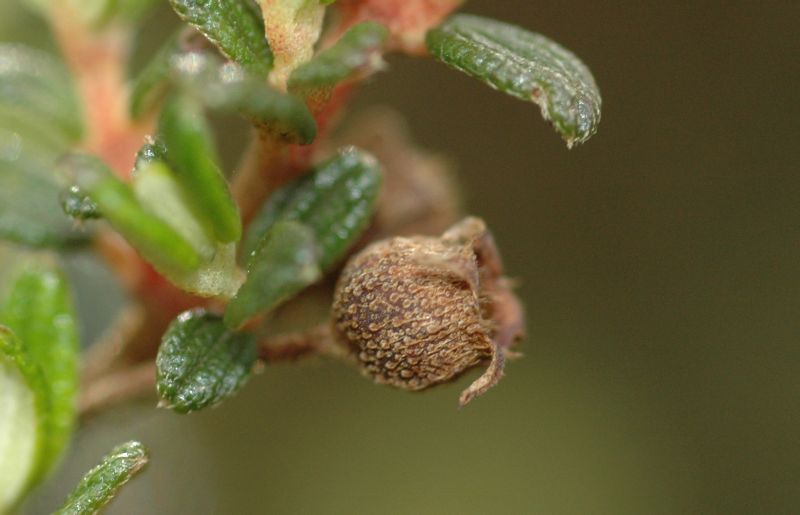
[{"x": 420, "y": 311}]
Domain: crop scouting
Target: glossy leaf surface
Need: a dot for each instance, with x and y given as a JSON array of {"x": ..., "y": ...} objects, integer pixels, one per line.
[
  {"x": 523, "y": 64},
  {"x": 233, "y": 27},
  {"x": 99, "y": 485},
  {"x": 200, "y": 362},
  {"x": 284, "y": 263},
  {"x": 335, "y": 200}
]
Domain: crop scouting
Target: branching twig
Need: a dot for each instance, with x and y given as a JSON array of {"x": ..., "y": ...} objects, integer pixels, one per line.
[{"x": 116, "y": 387}]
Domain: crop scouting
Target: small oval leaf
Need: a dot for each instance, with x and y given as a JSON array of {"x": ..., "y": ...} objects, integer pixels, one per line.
[
  {"x": 200, "y": 362},
  {"x": 190, "y": 152},
  {"x": 22, "y": 408},
  {"x": 284, "y": 263},
  {"x": 335, "y": 200},
  {"x": 523, "y": 64},
  {"x": 99, "y": 486},
  {"x": 354, "y": 56},
  {"x": 38, "y": 308},
  {"x": 235, "y": 28},
  {"x": 159, "y": 243}
]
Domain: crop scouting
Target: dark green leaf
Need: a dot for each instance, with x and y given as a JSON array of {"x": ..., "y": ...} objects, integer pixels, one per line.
[
  {"x": 356, "y": 54},
  {"x": 229, "y": 88},
  {"x": 200, "y": 362},
  {"x": 233, "y": 27},
  {"x": 335, "y": 200},
  {"x": 29, "y": 208},
  {"x": 523, "y": 64},
  {"x": 152, "y": 84},
  {"x": 284, "y": 115},
  {"x": 284, "y": 263},
  {"x": 36, "y": 90},
  {"x": 100, "y": 485},
  {"x": 39, "y": 310},
  {"x": 23, "y": 407},
  {"x": 159, "y": 243},
  {"x": 190, "y": 153}
]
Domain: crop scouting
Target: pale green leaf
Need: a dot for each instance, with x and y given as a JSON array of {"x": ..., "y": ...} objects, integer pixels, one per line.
[
  {"x": 38, "y": 308},
  {"x": 23, "y": 405},
  {"x": 159, "y": 243}
]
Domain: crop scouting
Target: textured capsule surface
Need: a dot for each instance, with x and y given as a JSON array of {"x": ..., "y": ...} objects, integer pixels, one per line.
[{"x": 418, "y": 311}]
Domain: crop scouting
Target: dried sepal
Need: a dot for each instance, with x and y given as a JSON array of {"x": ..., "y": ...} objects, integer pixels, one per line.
[{"x": 420, "y": 311}]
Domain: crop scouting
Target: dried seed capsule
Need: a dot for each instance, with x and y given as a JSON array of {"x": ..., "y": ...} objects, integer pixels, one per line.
[{"x": 420, "y": 311}]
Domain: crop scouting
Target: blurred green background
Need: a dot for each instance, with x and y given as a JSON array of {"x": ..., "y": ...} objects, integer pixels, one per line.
[{"x": 658, "y": 264}]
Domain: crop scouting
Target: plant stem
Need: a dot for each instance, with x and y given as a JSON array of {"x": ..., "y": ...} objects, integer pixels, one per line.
[
  {"x": 138, "y": 380},
  {"x": 117, "y": 387}
]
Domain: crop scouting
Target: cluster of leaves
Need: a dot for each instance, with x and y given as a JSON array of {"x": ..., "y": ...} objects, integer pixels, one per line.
[{"x": 176, "y": 209}]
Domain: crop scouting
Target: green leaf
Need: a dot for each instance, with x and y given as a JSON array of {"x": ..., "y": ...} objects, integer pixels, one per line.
[
  {"x": 159, "y": 243},
  {"x": 525, "y": 65},
  {"x": 38, "y": 308},
  {"x": 229, "y": 88},
  {"x": 285, "y": 262},
  {"x": 36, "y": 90},
  {"x": 29, "y": 208},
  {"x": 232, "y": 27},
  {"x": 200, "y": 362},
  {"x": 158, "y": 191},
  {"x": 190, "y": 153},
  {"x": 100, "y": 485},
  {"x": 152, "y": 84},
  {"x": 335, "y": 200},
  {"x": 283, "y": 115},
  {"x": 355, "y": 55},
  {"x": 23, "y": 405}
]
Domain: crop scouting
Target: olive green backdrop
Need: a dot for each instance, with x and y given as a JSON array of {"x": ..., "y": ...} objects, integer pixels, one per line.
[{"x": 658, "y": 264}]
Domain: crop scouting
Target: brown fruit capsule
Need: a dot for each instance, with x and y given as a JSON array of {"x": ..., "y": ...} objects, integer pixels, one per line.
[{"x": 420, "y": 311}]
